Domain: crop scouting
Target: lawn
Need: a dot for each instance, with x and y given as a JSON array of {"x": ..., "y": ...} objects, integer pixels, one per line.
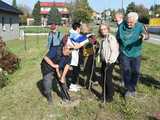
[
  {"x": 39, "y": 29},
  {"x": 22, "y": 100}
]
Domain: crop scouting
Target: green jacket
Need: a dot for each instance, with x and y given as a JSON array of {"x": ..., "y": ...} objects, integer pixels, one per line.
[{"x": 130, "y": 39}]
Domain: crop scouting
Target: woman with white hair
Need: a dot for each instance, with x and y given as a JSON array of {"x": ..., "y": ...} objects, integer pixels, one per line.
[{"x": 131, "y": 33}]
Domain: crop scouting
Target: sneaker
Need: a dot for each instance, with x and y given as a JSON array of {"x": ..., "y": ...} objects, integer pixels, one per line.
[
  {"x": 128, "y": 94},
  {"x": 65, "y": 101},
  {"x": 95, "y": 83},
  {"x": 75, "y": 86},
  {"x": 133, "y": 94},
  {"x": 74, "y": 89}
]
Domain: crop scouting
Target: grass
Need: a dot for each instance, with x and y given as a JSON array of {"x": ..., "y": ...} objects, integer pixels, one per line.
[
  {"x": 21, "y": 99},
  {"x": 40, "y": 29}
]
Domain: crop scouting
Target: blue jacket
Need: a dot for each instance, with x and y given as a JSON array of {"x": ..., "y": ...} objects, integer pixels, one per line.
[{"x": 76, "y": 37}]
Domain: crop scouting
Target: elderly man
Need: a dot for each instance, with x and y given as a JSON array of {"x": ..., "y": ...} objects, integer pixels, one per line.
[
  {"x": 131, "y": 33},
  {"x": 119, "y": 18}
]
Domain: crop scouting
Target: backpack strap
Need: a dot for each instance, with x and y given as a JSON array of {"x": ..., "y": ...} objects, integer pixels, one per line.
[{"x": 58, "y": 36}]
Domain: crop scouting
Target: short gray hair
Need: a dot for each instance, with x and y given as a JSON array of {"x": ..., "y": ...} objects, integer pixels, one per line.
[{"x": 133, "y": 15}]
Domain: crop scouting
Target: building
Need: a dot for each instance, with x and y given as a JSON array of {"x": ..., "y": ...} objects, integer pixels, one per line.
[
  {"x": 9, "y": 21},
  {"x": 46, "y": 6}
]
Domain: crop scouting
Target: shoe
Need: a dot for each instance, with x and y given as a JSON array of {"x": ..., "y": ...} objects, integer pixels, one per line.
[
  {"x": 108, "y": 100},
  {"x": 65, "y": 101},
  {"x": 77, "y": 86},
  {"x": 74, "y": 88},
  {"x": 49, "y": 98},
  {"x": 128, "y": 94},
  {"x": 133, "y": 94},
  {"x": 95, "y": 83}
]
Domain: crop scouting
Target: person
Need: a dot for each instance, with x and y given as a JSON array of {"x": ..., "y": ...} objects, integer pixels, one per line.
[
  {"x": 54, "y": 36},
  {"x": 51, "y": 65},
  {"x": 119, "y": 18},
  {"x": 89, "y": 52},
  {"x": 57, "y": 57},
  {"x": 131, "y": 33},
  {"x": 75, "y": 41},
  {"x": 109, "y": 51}
]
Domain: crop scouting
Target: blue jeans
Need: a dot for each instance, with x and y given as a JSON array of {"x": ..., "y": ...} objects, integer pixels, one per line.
[{"x": 130, "y": 70}]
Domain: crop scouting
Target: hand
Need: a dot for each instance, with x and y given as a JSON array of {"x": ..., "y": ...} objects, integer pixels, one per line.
[
  {"x": 62, "y": 80},
  {"x": 55, "y": 66},
  {"x": 142, "y": 36},
  {"x": 66, "y": 51},
  {"x": 77, "y": 46}
]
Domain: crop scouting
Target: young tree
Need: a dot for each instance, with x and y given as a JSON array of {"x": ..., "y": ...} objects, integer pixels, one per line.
[
  {"x": 143, "y": 14},
  {"x": 26, "y": 13},
  {"x": 131, "y": 8},
  {"x": 54, "y": 16},
  {"x": 14, "y": 3},
  {"x": 155, "y": 10},
  {"x": 82, "y": 11},
  {"x": 36, "y": 14}
]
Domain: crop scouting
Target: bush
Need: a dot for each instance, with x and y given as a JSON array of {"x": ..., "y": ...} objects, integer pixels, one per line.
[
  {"x": 8, "y": 61},
  {"x": 3, "y": 78}
]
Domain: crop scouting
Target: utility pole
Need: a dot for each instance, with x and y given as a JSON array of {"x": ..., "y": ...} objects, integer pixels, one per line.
[{"x": 122, "y": 4}]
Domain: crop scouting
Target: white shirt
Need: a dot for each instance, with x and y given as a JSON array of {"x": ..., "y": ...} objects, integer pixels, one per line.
[{"x": 74, "y": 54}]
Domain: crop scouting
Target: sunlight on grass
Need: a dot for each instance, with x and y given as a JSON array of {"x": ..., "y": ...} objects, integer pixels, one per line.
[{"x": 21, "y": 99}]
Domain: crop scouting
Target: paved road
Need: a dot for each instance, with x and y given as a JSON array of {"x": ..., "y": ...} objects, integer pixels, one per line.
[{"x": 155, "y": 39}]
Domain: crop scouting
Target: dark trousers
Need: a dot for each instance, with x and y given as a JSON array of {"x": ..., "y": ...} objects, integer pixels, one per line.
[
  {"x": 88, "y": 70},
  {"x": 131, "y": 71},
  {"x": 47, "y": 82},
  {"x": 107, "y": 70},
  {"x": 75, "y": 74}
]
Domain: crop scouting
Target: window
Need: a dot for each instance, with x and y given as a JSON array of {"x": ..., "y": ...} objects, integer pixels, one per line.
[{"x": 3, "y": 25}]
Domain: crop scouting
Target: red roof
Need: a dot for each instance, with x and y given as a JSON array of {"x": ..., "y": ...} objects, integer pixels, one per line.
[
  {"x": 46, "y": 12},
  {"x": 51, "y": 4}
]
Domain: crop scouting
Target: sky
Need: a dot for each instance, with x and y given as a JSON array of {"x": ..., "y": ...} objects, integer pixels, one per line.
[{"x": 97, "y": 5}]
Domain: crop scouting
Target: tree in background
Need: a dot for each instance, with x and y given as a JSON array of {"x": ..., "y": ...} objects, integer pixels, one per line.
[
  {"x": 113, "y": 12},
  {"x": 14, "y": 3},
  {"x": 26, "y": 13},
  {"x": 36, "y": 14},
  {"x": 141, "y": 10},
  {"x": 155, "y": 11},
  {"x": 54, "y": 16},
  {"x": 81, "y": 11},
  {"x": 131, "y": 7}
]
